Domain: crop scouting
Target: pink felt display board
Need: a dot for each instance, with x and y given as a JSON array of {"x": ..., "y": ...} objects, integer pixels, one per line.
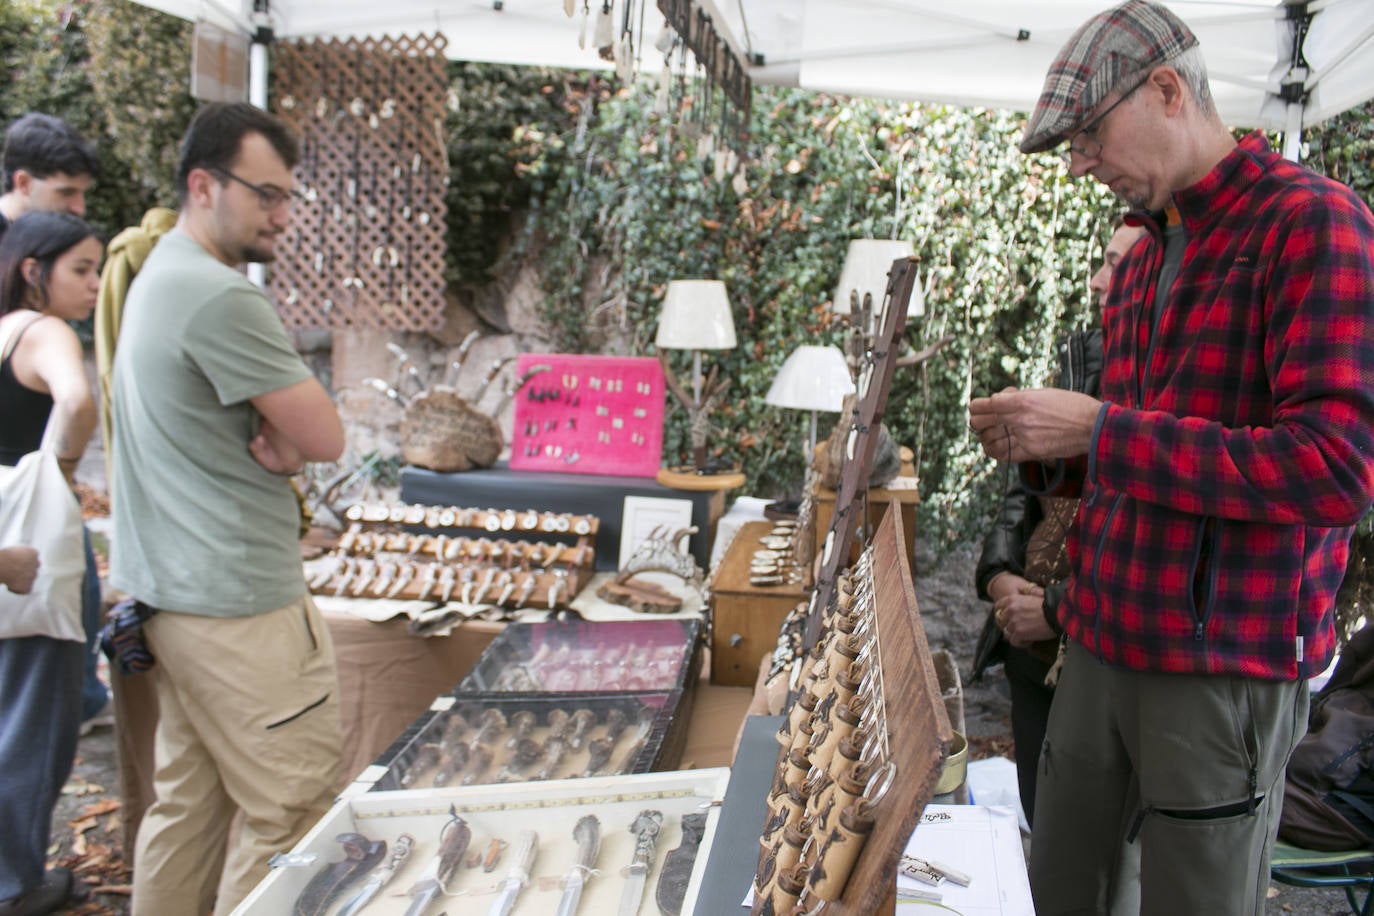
[{"x": 589, "y": 415}]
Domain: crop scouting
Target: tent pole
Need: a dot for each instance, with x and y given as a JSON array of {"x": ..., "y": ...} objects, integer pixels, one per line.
[
  {"x": 258, "y": 65},
  {"x": 1292, "y": 133}
]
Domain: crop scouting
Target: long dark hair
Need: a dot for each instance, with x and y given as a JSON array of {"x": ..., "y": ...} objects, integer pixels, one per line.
[{"x": 44, "y": 236}]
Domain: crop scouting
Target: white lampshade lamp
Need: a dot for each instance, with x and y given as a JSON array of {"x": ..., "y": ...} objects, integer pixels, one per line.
[
  {"x": 814, "y": 379},
  {"x": 696, "y": 316},
  {"x": 865, "y": 271}
]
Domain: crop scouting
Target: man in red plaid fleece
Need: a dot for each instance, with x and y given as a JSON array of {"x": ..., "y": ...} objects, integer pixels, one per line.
[{"x": 1221, "y": 472}]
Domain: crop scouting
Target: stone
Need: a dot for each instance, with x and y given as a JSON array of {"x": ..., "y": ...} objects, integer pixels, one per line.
[{"x": 443, "y": 432}]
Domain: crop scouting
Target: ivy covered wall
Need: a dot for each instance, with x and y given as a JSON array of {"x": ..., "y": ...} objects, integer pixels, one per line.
[{"x": 581, "y": 179}]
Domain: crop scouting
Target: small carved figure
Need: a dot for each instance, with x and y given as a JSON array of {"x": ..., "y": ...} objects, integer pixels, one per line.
[
  {"x": 598, "y": 754},
  {"x": 453, "y": 765},
  {"x": 616, "y": 722},
  {"x": 425, "y": 759},
  {"x": 492, "y": 723}
]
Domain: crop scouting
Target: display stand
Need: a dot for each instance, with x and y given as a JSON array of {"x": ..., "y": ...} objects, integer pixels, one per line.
[
  {"x": 745, "y": 618},
  {"x": 862, "y": 440},
  {"x": 577, "y": 494},
  {"x": 911, "y": 732}
]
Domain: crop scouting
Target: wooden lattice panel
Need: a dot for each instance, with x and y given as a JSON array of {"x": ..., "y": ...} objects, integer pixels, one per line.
[{"x": 365, "y": 248}]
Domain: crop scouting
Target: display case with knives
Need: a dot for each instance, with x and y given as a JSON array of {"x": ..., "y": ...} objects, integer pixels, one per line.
[
  {"x": 476, "y": 739},
  {"x": 609, "y": 845}
]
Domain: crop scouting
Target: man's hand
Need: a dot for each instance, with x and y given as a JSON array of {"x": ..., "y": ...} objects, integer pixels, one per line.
[
  {"x": 274, "y": 452},
  {"x": 1035, "y": 425},
  {"x": 18, "y": 569},
  {"x": 1005, "y": 584},
  {"x": 1022, "y": 616}
]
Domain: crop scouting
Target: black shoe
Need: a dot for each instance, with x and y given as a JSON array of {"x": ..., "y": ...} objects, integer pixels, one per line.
[{"x": 54, "y": 894}]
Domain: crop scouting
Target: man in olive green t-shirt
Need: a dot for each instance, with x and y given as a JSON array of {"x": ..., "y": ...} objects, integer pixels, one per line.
[{"x": 213, "y": 410}]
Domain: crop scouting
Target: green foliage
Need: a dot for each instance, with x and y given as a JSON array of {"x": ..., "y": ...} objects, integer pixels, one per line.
[
  {"x": 1004, "y": 243},
  {"x": 610, "y": 202},
  {"x": 144, "y": 66},
  {"x": 107, "y": 68},
  {"x": 501, "y": 143}
]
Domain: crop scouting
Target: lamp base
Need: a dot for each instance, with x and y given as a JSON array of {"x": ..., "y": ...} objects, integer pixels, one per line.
[{"x": 687, "y": 478}]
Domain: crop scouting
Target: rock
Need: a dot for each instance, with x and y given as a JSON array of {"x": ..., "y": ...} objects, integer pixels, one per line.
[{"x": 442, "y": 432}]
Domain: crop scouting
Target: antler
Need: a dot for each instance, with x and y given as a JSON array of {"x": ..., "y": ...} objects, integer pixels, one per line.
[{"x": 673, "y": 384}]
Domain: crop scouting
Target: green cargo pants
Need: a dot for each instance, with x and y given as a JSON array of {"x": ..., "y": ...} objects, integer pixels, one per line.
[{"x": 1189, "y": 767}]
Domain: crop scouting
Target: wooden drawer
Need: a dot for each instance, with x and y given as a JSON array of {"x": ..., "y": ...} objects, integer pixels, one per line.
[{"x": 745, "y": 618}]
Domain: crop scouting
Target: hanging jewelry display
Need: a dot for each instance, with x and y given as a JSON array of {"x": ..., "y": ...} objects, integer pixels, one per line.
[
  {"x": 861, "y": 749},
  {"x": 873, "y": 383},
  {"x": 725, "y": 83},
  {"x": 365, "y": 247}
]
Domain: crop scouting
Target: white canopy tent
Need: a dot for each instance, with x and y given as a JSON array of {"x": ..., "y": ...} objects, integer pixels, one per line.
[{"x": 990, "y": 53}]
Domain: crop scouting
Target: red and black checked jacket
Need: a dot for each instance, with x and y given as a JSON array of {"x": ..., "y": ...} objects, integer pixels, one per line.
[{"x": 1235, "y": 451}]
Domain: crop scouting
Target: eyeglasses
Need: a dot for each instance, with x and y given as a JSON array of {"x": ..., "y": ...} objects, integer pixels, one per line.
[
  {"x": 269, "y": 198},
  {"x": 1093, "y": 147}
]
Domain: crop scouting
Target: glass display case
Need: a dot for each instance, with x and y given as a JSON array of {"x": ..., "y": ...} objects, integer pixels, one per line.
[
  {"x": 589, "y": 657},
  {"x": 502, "y": 738}
]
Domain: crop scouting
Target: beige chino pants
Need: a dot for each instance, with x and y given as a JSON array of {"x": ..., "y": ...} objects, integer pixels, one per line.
[{"x": 249, "y": 722}]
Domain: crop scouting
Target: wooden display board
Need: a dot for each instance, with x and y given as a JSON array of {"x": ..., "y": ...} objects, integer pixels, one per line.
[
  {"x": 874, "y": 381},
  {"x": 365, "y": 245},
  {"x": 588, "y": 415}
]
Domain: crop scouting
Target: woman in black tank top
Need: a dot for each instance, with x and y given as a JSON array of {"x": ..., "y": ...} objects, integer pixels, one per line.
[
  {"x": 49, "y": 275},
  {"x": 49, "y": 266}
]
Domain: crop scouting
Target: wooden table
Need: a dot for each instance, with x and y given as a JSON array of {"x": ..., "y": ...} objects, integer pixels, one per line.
[{"x": 745, "y": 619}]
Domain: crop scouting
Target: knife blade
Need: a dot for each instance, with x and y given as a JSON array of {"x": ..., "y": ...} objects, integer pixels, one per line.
[
  {"x": 587, "y": 833},
  {"x": 518, "y": 878},
  {"x": 381, "y": 876},
  {"x": 645, "y": 828},
  {"x": 676, "y": 873},
  {"x": 453, "y": 842},
  {"x": 456, "y": 364}
]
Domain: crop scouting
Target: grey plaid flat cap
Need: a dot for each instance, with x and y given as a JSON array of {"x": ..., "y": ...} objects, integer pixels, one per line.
[{"x": 1112, "y": 45}]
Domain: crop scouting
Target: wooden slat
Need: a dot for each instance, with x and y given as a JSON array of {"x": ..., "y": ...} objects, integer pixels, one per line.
[{"x": 366, "y": 247}]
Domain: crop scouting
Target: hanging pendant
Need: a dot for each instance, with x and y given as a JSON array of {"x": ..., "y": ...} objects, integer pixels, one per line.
[
  {"x": 665, "y": 85},
  {"x": 624, "y": 59},
  {"x": 603, "y": 37}
]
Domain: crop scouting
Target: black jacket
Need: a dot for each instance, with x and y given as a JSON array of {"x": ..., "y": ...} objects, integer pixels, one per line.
[{"x": 1004, "y": 546}]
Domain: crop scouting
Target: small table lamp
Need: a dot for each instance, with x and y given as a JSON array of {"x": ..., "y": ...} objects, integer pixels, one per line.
[
  {"x": 864, "y": 275},
  {"x": 812, "y": 378},
  {"x": 696, "y": 316}
]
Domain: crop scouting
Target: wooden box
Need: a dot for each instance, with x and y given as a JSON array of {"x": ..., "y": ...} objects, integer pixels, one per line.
[
  {"x": 878, "y": 500},
  {"x": 745, "y": 619}
]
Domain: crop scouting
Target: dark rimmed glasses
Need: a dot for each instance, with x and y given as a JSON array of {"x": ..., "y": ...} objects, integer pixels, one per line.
[
  {"x": 1093, "y": 147},
  {"x": 269, "y": 197}
]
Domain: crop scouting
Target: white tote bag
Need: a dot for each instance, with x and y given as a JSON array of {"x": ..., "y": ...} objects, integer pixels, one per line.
[{"x": 38, "y": 510}]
